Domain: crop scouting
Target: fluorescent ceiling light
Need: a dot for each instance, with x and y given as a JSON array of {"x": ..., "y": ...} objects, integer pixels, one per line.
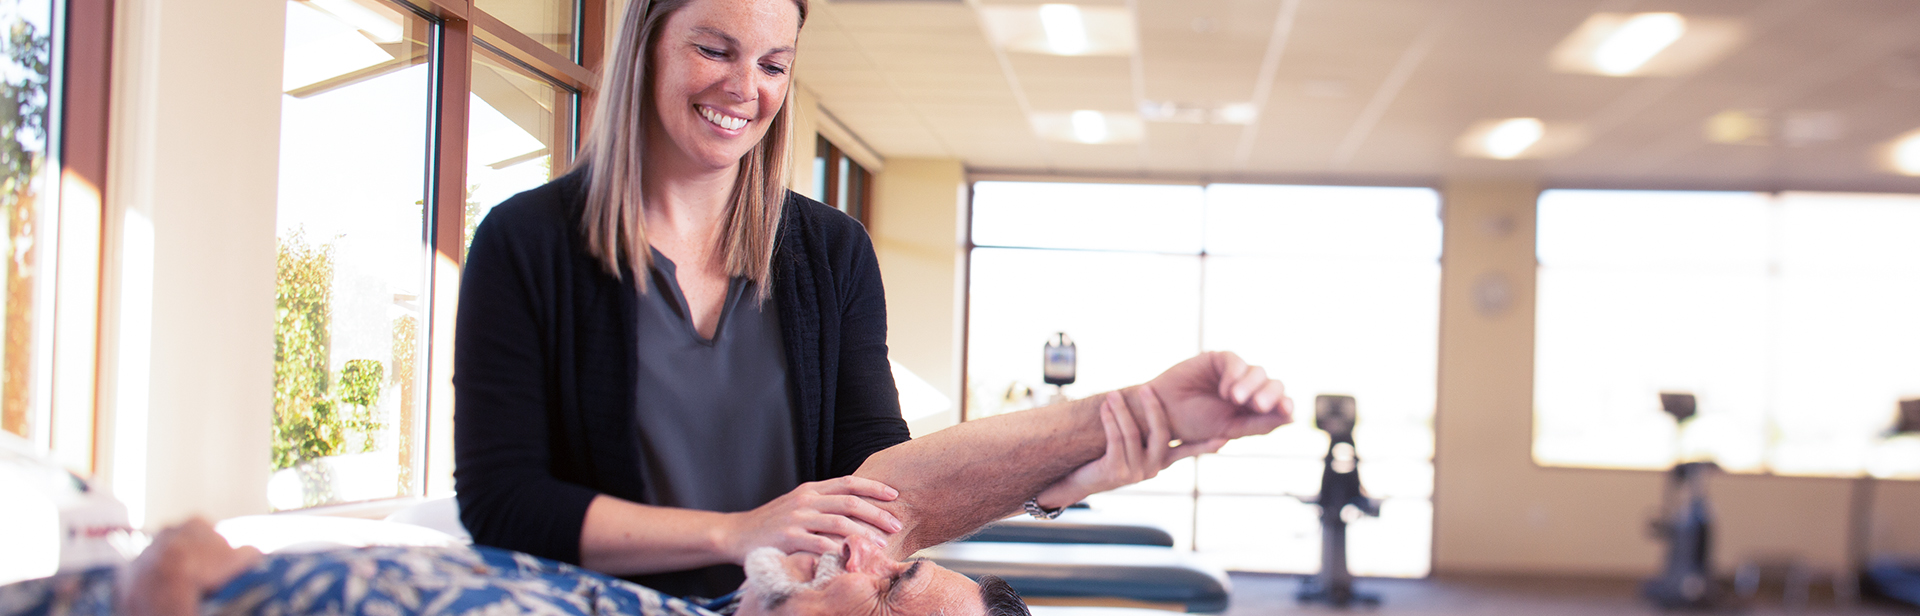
[
  {"x": 1904, "y": 154},
  {"x": 1089, "y": 126},
  {"x": 1512, "y": 136},
  {"x": 1066, "y": 31},
  {"x": 1739, "y": 127},
  {"x": 1198, "y": 113},
  {"x": 1644, "y": 44},
  {"x": 1060, "y": 29},
  {"x": 1637, "y": 41},
  {"x": 380, "y": 28}
]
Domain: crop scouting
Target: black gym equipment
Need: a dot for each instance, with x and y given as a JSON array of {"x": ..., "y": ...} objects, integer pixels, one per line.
[
  {"x": 1686, "y": 526},
  {"x": 1339, "y": 489},
  {"x": 1895, "y": 578}
]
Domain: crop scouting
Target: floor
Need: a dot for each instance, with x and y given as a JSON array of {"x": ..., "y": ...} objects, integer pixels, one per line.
[{"x": 1266, "y": 594}]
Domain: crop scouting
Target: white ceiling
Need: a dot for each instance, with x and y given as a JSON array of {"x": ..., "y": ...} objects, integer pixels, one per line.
[{"x": 1377, "y": 91}]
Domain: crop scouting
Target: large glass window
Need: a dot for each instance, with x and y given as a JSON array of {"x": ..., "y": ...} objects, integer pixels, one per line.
[
  {"x": 28, "y": 204},
  {"x": 353, "y": 264},
  {"x": 1333, "y": 289},
  {"x": 519, "y": 122},
  {"x": 397, "y": 130},
  {"x": 1789, "y": 317}
]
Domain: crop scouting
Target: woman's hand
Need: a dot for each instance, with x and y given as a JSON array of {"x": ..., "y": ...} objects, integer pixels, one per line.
[
  {"x": 815, "y": 517},
  {"x": 1130, "y": 458}
]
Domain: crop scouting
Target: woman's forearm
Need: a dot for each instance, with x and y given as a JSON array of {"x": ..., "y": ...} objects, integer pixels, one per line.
[{"x": 622, "y": 537}]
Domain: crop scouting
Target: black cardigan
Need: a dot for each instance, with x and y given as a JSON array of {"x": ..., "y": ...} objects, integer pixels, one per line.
[{"x": 544, "y": 365}]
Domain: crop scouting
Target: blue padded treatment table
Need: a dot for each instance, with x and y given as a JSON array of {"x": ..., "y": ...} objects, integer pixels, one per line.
[
  {"x": 1075, "y": 526},
  {"x": 1130, "y": 574}
]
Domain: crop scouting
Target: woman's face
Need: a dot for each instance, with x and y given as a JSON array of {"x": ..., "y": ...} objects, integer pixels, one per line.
[{"x": 721, "y": 70}]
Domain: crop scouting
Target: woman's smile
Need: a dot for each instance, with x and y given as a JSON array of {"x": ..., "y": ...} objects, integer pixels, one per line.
[{"x": 722, "y": 119}]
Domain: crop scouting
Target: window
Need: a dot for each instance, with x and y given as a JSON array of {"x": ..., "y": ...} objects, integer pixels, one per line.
[
  {"x": 841, "y": 182},
  {"x": 27, "y": 204},
  {"x": 353, "y": 269},
  {"x": 519, "y": 123},
  {"x": 403, "y": 123},
  {"x": 1334, "y": 289},
  {"x": 1788, "y": 317}
]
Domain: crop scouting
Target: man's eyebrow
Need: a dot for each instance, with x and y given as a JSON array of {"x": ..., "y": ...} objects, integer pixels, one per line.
[{"x": 901, "y": 580}]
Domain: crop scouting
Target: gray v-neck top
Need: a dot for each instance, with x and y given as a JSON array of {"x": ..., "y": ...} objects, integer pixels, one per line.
[{"x": 713, "y": 419}]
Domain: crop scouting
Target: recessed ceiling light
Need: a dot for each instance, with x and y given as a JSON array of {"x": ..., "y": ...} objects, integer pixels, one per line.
[
  {"x": 1904, "y": 154},
  {"x": 1088, "y": 126},
  {"x": 1628, "y": 45},
  {"x": 1512, "y": 138},
  {"x": 1637, "y": 41},
  {"x": 1198, "y": 113},
  {"x": 1066, "y": 32},
  {"x": 1060, "y": 29},
  {"x": 1738, "y": 127}
]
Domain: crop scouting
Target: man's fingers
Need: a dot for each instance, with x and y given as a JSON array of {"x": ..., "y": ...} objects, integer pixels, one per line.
[
  {"x": 1231, "y": 369},
  {"x": 1267, "y": 397},
  {"x": 855, "y": 508},
  {"x": 857, "y": 486},
  {"x": 1249, "y": 382}
]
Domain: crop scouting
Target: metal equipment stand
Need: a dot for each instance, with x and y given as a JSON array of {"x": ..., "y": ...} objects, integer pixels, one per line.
[
  {"x": 1686, "y": 525},
  {"x": 1339, "y": 489}
]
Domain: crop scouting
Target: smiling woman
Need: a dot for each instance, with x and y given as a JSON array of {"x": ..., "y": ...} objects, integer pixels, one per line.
[{"x": 656, "y": 408}]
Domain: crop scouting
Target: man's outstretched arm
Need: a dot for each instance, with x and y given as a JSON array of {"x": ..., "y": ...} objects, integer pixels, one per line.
[{"x": 956, "y": 480}]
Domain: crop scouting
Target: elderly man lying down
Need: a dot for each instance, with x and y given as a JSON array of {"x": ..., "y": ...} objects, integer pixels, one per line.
[{"x": 948, "y": 484}]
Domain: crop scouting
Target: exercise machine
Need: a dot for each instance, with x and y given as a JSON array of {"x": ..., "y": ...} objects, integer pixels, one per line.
[
  {"x": 1686, "y": 526},
  {"x": 1341, "y": 500}
]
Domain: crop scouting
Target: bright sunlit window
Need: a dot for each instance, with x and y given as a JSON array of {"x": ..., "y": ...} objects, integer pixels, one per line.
[
  {"x": 1334, "y": 289},
  {"x": 1789, "y": 317},
  {"x": 349, "y": 336}
]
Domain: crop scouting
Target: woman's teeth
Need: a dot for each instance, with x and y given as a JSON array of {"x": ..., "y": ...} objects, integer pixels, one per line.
[{"x": 722, "y": 120}]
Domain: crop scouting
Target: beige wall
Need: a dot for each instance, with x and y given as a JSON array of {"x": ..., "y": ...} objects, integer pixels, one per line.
[
  {"x": 187, "y": 387},
  {"x": 1495, "y": 511},
  {"x": 918, "y": 228},
  {"x": 919, "y": 218}
]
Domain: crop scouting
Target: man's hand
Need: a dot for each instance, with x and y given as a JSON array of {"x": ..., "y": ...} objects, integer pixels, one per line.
[
  {"x": 1216, "y": 395},
  {"x": 183, "y": 564},
  {"x": 1131, "y": 457}
]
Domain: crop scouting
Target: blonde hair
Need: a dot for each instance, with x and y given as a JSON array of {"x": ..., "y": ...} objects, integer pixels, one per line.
[{"x": 612, "y": 155}]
